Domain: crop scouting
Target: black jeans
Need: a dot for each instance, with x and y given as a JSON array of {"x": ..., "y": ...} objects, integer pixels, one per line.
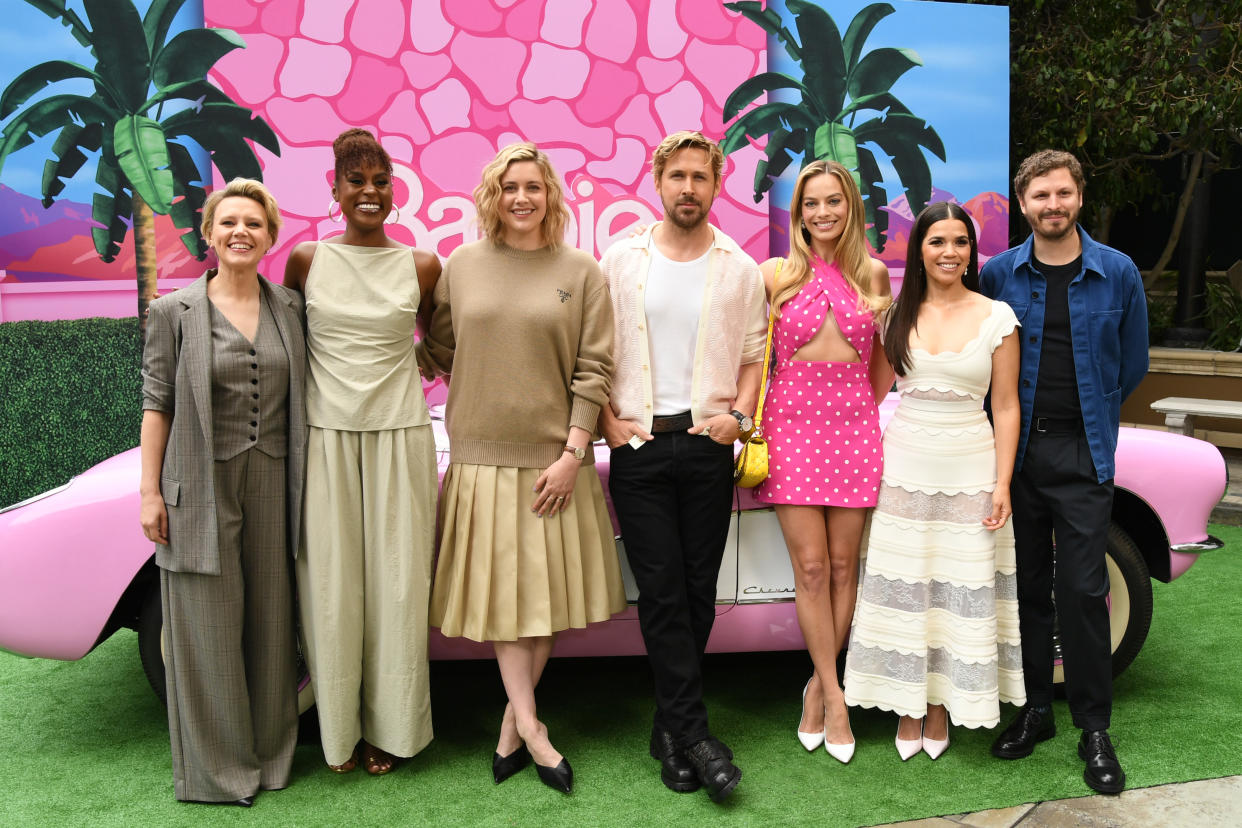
[
  {"x": 672, "y": 498},
  {"x": 1056, "y": 491}
]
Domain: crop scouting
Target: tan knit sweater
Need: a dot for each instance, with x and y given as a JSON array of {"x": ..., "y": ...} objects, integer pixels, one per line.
[{"x": 527, "y": 339}]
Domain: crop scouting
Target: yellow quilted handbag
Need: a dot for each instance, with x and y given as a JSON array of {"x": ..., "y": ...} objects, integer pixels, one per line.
[{"x": 750, "y": 467}]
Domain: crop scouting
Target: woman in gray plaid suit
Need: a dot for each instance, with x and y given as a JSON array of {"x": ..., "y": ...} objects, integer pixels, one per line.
[{"x": 223, "y": 459}]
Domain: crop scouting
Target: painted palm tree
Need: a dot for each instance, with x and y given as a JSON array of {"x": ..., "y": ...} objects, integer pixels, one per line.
[
  {"x": 839, "y": 85},
  {"x": 144, "y": 166}
]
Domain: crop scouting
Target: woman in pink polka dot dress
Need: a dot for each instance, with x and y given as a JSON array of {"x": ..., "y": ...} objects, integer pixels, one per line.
[{"x": 821, "y": 423}]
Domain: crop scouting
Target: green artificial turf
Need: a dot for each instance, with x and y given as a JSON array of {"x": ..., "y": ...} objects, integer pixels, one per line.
[{"x": 85, "y": 743}]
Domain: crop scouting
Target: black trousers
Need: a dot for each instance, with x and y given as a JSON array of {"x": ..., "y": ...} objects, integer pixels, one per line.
[
  {"x": 1056, "y": 492},
  {"x": 672, "y": 498}
]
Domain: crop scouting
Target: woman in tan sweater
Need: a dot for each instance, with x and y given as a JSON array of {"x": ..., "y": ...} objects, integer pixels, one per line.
[{"x": 524, "y": 326}]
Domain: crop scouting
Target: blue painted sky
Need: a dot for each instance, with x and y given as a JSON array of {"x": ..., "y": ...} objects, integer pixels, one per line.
[
  {"x": 30, "y": 37},
  {"x": 962, "y": 89}
]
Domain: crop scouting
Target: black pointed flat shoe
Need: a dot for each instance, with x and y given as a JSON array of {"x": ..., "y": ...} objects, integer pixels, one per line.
[
  {"x": 505, "y": 766},
  {"x": 560, "y": 777}
]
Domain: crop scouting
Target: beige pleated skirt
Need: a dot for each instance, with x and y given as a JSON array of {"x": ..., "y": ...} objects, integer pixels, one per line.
[{"x": 504, "y": 573}]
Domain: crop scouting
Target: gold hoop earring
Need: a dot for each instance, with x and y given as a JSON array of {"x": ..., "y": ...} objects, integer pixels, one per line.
[
  {"x": 338, "y": 215},
  {"x": 397, "y": 211}
]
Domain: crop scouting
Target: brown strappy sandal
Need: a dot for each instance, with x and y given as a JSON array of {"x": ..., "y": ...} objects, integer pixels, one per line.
[
  {"x": 348, "y": 765},
  {"x": 376, "y": 761}
]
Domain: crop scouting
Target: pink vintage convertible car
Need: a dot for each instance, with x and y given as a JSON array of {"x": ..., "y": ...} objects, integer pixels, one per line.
[{"x": 75, "y": 567}]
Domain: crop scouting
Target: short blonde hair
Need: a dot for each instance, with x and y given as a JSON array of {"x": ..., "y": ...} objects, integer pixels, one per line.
[
  {"x": 245, "y": 188},
  {"x": 487, "y": 194},
  {"x": 686, "y": 139}
]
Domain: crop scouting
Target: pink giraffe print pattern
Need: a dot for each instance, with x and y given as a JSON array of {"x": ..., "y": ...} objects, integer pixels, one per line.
[{"x": 443, "y": 84}]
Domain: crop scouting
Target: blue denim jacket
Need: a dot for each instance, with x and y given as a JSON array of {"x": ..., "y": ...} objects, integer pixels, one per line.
[{"x": 1108, "y": 332}]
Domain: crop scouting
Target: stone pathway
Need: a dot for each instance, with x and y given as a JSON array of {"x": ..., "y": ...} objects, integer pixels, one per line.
[{"x": 1206, "y": 802}]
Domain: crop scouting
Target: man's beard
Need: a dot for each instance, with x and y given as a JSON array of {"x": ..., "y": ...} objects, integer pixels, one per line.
[
  {"x": 686, "y": 224},
  {"x": 1071, "y": 226}
]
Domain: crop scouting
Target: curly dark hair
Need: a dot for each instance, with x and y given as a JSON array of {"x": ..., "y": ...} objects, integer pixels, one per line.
[
  {"x": 1042, "y": 163},
  {"x": 356, "y": 148}
]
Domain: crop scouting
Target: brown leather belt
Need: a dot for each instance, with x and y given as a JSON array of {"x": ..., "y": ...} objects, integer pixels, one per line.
[{"x": 673, "y": 422}]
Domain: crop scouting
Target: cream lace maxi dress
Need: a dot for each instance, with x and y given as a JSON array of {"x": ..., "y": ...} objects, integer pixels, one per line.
[
  {"x": 364, "y": 570},
  {"x": 937, "y": 614}
]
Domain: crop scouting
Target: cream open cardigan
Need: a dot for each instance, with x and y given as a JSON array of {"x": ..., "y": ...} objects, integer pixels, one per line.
[{"x": 732, "y": 327}]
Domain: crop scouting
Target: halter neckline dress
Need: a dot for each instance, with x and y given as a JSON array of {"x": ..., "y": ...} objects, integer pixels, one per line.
[{"x": 820, "y": 418}]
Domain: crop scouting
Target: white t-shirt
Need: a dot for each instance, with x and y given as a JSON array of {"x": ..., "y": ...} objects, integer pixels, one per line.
[{"x": 674, "y": 300}]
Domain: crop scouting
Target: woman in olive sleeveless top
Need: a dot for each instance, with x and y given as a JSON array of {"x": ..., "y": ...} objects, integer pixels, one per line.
[{"x": 364, "y": 572}]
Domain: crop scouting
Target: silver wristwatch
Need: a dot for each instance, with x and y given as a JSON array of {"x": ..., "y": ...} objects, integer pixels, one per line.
[{"x": 744, "y": 423}]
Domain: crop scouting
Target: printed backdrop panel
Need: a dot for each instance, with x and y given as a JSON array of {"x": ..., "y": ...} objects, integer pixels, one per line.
[{"x": 596, "y": 83}]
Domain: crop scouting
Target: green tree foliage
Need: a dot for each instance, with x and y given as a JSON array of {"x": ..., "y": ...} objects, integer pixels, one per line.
[
  {"x": 1124, "y": 84},
  {"x": 839, "y": 85},
  {"x": 144, "y": 166}
]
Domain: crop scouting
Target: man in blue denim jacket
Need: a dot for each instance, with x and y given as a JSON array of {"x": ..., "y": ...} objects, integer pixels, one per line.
[{"x": 1084, "y": 349}]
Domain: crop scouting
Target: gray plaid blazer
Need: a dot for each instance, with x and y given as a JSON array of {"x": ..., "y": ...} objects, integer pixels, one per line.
[{"x": 176, "y": 378}]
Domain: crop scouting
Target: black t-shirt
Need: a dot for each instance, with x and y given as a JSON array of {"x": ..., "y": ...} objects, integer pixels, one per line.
[{"x": 1056, "y": 389}]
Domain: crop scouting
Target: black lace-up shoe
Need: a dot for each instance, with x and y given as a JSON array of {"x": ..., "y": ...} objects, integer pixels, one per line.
[
  {"x": 1103, "y": 772},
  {"x": 1028, "y": 728},
  {"x": 676, "y": 772},
  {"x": 711, "y": 761}
]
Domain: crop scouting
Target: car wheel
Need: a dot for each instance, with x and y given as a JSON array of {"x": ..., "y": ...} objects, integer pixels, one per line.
[
  {"x": 151, "y": 641},
  {"x": 151, "y": 654},
  {"x": 1129, "y": 604}
]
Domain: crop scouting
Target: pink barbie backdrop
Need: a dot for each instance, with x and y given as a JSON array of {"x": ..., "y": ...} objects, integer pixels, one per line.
[{"x": 443, "y": 84}]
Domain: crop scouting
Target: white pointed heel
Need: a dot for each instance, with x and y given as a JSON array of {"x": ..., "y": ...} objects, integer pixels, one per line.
[
  {"x": 842, "y": 753},
  {"x": 935, "y": 747},
  {"x": 906, "y": 748},
  {"x": 810, "y": 741}
]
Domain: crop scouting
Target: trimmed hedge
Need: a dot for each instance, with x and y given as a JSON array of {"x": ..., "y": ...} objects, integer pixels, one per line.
[{"x": 70, "y": 397}]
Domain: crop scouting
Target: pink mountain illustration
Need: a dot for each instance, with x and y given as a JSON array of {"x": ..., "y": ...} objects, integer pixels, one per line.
[
  {"x": 55, "y": 244},
  {"x": 989, "y": 210}
]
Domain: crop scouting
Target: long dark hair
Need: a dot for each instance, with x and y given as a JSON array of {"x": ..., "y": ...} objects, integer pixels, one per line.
[{"x": 904, "y": 314}]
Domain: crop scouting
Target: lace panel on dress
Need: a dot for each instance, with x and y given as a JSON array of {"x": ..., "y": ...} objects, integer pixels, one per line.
[
  {"x": 962, "y": 508},
  {"x": 964, "y": 602},
  {"x": 1006, "y": 586},
  {"x": 1009, "y": 656},
  {"x": 937, "y": 394},
  {"x": 912, "y": 668}
]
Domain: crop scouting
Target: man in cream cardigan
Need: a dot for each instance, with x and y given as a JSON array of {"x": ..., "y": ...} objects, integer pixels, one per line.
[{"x": 690, "y": 326}]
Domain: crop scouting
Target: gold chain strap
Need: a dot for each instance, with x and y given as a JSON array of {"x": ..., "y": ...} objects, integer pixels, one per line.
[{"x": 767, "y": 350}]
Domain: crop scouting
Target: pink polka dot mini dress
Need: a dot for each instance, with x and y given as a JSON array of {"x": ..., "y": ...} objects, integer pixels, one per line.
[{"x": 820, "y": 418}]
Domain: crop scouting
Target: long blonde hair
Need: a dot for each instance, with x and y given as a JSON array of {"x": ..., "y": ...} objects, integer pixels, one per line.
[
  {"x": 487, "y": 194},
  {"x": 851, "y": 255}
]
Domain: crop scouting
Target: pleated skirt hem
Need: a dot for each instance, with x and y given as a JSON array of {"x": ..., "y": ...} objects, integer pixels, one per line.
[{"x": 504, "y": 573}]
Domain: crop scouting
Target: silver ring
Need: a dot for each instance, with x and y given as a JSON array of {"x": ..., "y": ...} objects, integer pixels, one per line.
[
  {"x": 707, "y": 429},
  {"x": 560, "y": 497}
]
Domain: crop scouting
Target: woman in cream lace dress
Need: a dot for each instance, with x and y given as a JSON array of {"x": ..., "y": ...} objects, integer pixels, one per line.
[{"x": 935, "y": 634}]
